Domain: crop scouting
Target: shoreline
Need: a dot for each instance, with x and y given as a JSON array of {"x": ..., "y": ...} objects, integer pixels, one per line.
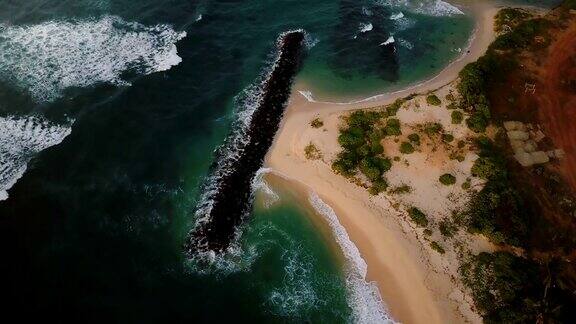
[{"x": 396, "y": 260}]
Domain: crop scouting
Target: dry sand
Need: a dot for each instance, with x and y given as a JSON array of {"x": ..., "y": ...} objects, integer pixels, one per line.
[{"x": 417, "y": 284}]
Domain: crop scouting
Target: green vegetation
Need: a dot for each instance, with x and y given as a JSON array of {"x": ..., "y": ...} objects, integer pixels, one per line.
[
  {"x": 428, "y": 232},
  {"x": 418, "y": 217},
  {"x": 457, "y": 117},
  {"x": 433, "y": 128},
  {"x": 362, "y": 150},
  {"x": 406, "y": 148},
  {"x": 316, "y": 123},
  {"x": 414, "y": 138},
  {"x": 378, "y": 186},
  {"x": 393, "y": 108},
  {"x": 509, "y": 18},
  {"x": 433, "y": 100},
  {"x": 450, "y": 97},
  {"x": 448, "y": 138},
  {"x": 497, "y": 211},
  {"x": 312, "y": 152},
  {"x": 505, "y": 288},
  {"x": 447, "y": 179},
  {"x": 403, "y": 189},
  {"x": 525, "y": 34},
  {"x": 437, "y": 247},
  {"x": 392, "y": 127},
  {"x": 447, "y": 228},
  {"x": 466, "y": 185}
]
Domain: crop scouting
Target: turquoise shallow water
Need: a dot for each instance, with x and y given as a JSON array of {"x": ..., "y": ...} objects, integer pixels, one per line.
[{"x": 110, "y": 112}]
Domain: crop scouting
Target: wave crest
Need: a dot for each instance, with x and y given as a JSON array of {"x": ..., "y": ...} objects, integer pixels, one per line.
[
  {"x": 47, "y": 58},
  {"x": 20, "y": 140}
]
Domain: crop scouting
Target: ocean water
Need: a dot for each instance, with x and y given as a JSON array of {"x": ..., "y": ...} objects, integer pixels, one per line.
[{"x": 110, "y": 112}]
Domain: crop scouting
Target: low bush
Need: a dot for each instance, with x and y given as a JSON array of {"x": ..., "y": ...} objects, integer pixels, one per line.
[
  {"x": 414, "y": 138},
  {"x": 437, "y": 247},
  {"x": 448, "y": 138},
  {"x": 316, "y": 123},
  {"x": 457, "y": 117},
  {"x": 433, "y": 100},
  {"x": 406, "y": 148},
  {"x": 393, "y": 127},
  {"x": 447, "y": 179},
  {"x": 433, "y": 128},
  {"x": 418, "y": 217}
]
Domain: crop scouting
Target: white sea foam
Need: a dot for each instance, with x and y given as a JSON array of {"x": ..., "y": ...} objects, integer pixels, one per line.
[
  {"x": 47, "y": 58},
  {"x": 258, "y": 183},
  {"x": 405, "y": 43},
  {"x": 364, "y": 297},
  {"x": 397, "y": 16},
  {"x": 20, "y": 140},
  {"x": 296, "y": 295},
  {"x": 364, "y": 28},
  {"x": 307, "y": 94},
  {"x": 389, "y": 41},
  {"x": 436, "y": 8}
]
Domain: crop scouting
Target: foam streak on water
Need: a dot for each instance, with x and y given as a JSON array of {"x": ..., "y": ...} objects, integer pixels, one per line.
[
  {"x": 20, "y": 140},
  {"x": 364, "y": 297},
  {"x": 435, "y": 8},
  {"x": 47, "y": 58}
]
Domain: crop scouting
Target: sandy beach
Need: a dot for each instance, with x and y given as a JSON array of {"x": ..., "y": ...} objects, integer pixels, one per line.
[{"x": 417, "y": 284}]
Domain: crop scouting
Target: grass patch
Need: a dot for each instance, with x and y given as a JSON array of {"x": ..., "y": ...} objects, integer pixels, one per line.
[{"x": 312, "y": 152}]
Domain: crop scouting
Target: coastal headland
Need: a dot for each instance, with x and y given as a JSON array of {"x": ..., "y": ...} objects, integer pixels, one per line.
[{"x": 404, "y": 226}]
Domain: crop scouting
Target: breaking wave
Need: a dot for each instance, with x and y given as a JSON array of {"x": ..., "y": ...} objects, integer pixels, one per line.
[
  {"x": 258, "y": 183},
  {"x": 436, "y": 8},
  {"x": 47, "y": 58},
  {"x": 366, "y": 27},
  {"x": 20, "y": 140},
  {"x": 363, "y": 297}
]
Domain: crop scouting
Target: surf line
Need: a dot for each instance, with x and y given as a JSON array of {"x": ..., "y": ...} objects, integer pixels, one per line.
[{"x": 230, "y": 196}]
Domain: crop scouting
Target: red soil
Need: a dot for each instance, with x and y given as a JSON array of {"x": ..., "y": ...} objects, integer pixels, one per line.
[{"x": 556, "y": 99}]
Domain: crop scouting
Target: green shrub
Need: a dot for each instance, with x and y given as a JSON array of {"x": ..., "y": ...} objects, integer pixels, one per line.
[
  {"x": 436, "y": 247},
  {"x": 414, "y": 138},
  {"x": 447, "y": 179},
  {"x": 450, "y": 96},
  {"x": 428, "y": 232},
  {"x": 316, "y": 123},
  {"x": 378, "y": 186},
  {"x": 370, "y": 169},
  {"x": 433, "y": 128},
  {"x": 447, "y": 138},
  {"x": 418, "y": 217},
  {"x": 505, "y": 288},
  {"x": 393, "y": 127},
  {"x": 446, "y": 228},
  {"x": 433, "y": 100},
  {"x": 457, "y": 117},
  {"x": 383, "y": 164},
  {"x": 393, "y": 108},
  {"x": 406, "y": 148}
]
